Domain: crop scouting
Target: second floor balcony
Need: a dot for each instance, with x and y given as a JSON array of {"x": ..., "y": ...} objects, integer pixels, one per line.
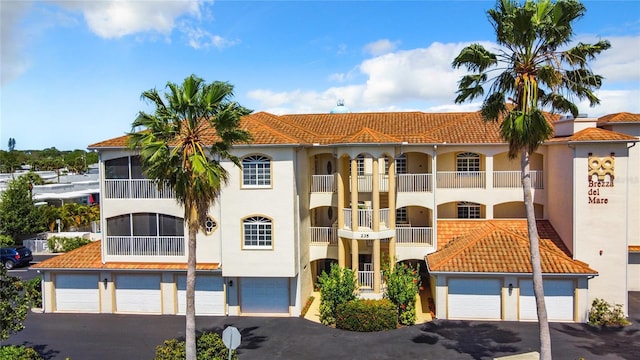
[
  {"x": 136, "y": 189},
  {"x": 444, "y": 180},
  {"x": 152, "y": 246}
]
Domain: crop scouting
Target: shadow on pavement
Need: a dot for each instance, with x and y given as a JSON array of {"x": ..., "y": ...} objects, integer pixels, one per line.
[
  {"x": 46, "y": 354},
  {"x": 249, "y": 339},
  {"x": 600, "y": 341},
  {"x": 477, "y": 340}
]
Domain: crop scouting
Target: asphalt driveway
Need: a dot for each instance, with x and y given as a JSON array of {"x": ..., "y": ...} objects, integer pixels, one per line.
[{"x": 83, "y": 336}]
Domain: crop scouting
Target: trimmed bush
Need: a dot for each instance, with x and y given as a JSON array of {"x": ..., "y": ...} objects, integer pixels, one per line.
[
  {"x": 367, "y": 315},
  {"x": 65, "y": 244},
  {"x": 33, "y": 292},
  {"x": 18, "y": 352},
  {"x": 403, "y": 283},
  {"x": 337, "y": 287},
  {"x": 208, "y": 346},
  {"x": 604, "y": 314}
]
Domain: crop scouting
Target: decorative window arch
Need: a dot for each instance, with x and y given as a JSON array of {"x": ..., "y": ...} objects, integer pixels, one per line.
[
  {"x": 210, "y": 225},
  {"x": 256, "y": 171},
  {"x": 257, "y": 233},
  {"x": 468, "y": 210},
  {"x": 467, "y": 162}
]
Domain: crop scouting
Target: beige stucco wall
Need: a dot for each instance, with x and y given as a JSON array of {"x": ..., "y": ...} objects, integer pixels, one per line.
[
  {"x": 559, "y": 184},
  {"x": 277, "y": 202},
  {"x": 600, "y": 237}
]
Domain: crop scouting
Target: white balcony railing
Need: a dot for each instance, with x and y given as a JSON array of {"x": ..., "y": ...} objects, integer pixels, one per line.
[
  {"x": 365, "y": 218},
  {"x": 324, "y": 235},
  {"x": 414, "y": 183},
  {"x": 145, "y": 245},
  {"x": 422, "y": 236},
  {"x": 461, "y": 179},
  {"x": 323, "y": 183},
  {"x": 365, "y": 279},
  {"x": 513, "y": 179},
  {"x": 136, "y": 189},
  {"x": 365, "y": 183}
]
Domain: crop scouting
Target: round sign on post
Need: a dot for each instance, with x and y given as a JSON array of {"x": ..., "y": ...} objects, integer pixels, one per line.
[{"x": 231, "y": 338}]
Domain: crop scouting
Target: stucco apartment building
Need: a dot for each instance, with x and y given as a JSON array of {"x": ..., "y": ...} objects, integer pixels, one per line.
[{"x": 359, "y": 189}]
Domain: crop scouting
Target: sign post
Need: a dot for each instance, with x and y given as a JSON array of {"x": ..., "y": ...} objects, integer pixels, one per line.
[{"x": 231, "y": 338}]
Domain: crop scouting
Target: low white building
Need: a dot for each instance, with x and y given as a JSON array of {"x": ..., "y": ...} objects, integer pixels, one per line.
[{"x": 359, "y": 189}]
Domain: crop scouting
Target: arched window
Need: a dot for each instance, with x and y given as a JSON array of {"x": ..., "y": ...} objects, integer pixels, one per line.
[
  {"x": 468, "y": 210},
  {"x": 467, "y": 162},
  {"x": 257, "y": 233},
  {"x": 256, "y": 171}
]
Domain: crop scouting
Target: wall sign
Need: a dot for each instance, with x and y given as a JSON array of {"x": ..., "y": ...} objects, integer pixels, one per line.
[{"x": 601, "y": 176}]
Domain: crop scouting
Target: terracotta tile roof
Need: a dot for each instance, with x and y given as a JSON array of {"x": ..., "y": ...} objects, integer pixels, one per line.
[
  {"x": 594, "y": 134},
  {"x": 389, "y": 127},
  {"x": 500, "y": 246},
  {"x": 622, "y": 117},
  {"x": 88, "y": 257},
  {"x": 634, "y": 248}
]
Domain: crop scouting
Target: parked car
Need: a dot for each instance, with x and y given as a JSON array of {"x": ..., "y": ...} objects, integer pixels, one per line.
[{"x": 13, "y": 256}]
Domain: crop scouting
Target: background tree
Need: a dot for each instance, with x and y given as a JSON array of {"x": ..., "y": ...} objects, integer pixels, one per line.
[
  {"x": 11, "y": 144},
  {"x": 18, "y": 214},
  {"x": 531, "y": 70},
  {"x": 182, "y": 145}
]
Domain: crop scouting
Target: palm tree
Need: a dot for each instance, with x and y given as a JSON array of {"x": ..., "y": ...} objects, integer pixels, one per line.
[
  {"x": 534, "y": 68},
  {"x": 183, "y": 144}
]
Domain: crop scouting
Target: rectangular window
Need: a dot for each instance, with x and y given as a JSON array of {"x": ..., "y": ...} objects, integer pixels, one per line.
[
  {"x": 119, "y": 226},
  {"x": 401, "y": 164},
  {"x": 145, "y": 224},
  {"x": 136, "y": 168},
  {"x": 401, "y": 216},
  {"x": 170, "y": 225},
  {"x": 117, "y": 168},
  {"x": 468, "y": 211}
]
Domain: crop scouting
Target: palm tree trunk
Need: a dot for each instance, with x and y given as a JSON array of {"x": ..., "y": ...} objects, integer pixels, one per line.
[
  {"x": 190, "y": 331},
  {"x": 534, "y": 248}
]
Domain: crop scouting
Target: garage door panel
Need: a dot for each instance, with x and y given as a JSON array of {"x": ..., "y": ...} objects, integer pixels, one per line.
[
  {"x": 558, "y": 296},
  {"x": 475, "y": 299},
  {"x": 138, "y": 293},
  {"x": 77, "y": 292},
  {"x": 264, "y": 295},
  {"x": 209, "y": 295}
]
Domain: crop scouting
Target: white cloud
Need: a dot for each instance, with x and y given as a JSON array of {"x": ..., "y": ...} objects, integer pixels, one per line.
[
  {"x": 620, "y": 62},
  {"x": 199, "y": 38},
  {"x": 13, "y": 62},
  {"x": 118, "y": 18},
  {"x": 423, "y": 80},
  {"x": 381, "y": 47}
]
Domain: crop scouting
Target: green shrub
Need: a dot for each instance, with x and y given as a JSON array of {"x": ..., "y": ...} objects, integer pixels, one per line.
[
  {"x": 366, "y": 315},
  {"x": 604, "y": 314},
  {"x": 208, "y": 346},
  {"x": 403, "y": 283},
  {"x": 18, "y": 352},
  {"x": 65, "y": 244},
  {"x": 33, "y": 292},
  {"x": 6, "y": 240},
  {"x": 337, "y": 287}
]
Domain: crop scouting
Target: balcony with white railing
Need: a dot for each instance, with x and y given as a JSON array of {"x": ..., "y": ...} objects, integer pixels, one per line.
[
  {"x": 324, "y": 235},
  {"x": 419, "y": 236},
  {"x": 323, "y": 183},
  {"x": 513, "y": 179},
  {"x": 461, "y": 179},
  {"x": 365, "y": 219},
  {"x": 145, "y": 246},
  {"x": 136, "y": 189},
  {"x": 414, "y": 182}
]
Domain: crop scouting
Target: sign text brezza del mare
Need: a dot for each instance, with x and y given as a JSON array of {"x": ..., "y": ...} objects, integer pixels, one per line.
[{"x": 594, "y": 191}]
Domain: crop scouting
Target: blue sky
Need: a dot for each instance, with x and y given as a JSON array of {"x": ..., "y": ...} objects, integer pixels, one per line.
[{"x": 73, "y": 71}]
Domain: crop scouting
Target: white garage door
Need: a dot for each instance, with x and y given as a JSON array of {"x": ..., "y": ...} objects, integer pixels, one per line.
[
  {"x": 475, "y": 299},
  {"x": 209, "y": 295},
  {"x": 264, "y": 295},
  {"x": 558, "y": 297},
  {"x": 77, "y": 292},
  {"x": 138, "y": 293}
]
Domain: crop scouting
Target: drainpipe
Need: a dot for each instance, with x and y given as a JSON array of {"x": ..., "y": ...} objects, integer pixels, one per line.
[{"x": 434, "y": 176}]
